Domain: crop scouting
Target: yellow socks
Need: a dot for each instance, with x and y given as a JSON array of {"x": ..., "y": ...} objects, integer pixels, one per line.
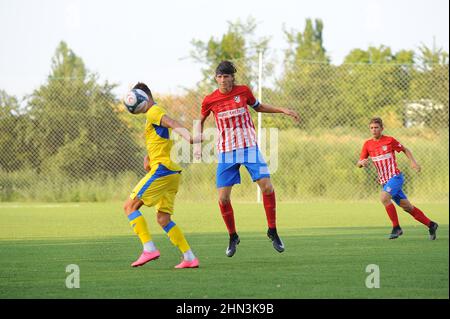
[
  {"x": 137, "y": 221},
  {"x": 176, "y": 237}
]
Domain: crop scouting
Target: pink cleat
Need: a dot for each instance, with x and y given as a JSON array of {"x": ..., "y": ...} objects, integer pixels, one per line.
[
  {"x": 145, "y": 257},
  {"x": 188, "y": 264}
]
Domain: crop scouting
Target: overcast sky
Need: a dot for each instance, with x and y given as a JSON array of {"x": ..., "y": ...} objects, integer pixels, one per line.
[{"x": 133, "y": 40}]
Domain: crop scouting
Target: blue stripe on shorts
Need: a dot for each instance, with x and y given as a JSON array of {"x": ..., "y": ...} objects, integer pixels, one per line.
[{"x": 160, "y": 172}]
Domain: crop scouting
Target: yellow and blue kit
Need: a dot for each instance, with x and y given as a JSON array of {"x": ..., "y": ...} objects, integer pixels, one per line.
[{"x": 160, "y": 185}]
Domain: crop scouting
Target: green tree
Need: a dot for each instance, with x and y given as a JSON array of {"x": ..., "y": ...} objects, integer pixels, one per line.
[
  {"x": 238, "y": 45},
  {"x": 430, "y": 88},
  {"x": 76, "y": 128},
  {"x": 307, "y": 82},
  {"x": 374, "y": 82},
  {"x": 306, "y": 45},
  {"x": 431, "y": 57},
  {"x": 15, "y": 151},
  {"x": 379, "y": 55},
  {"x": 358, "y": 56}
]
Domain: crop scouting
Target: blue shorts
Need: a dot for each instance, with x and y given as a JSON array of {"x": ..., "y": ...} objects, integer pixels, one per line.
[
  {"x": 230, "y": 162},
  {"x": 394, "y": 188}
]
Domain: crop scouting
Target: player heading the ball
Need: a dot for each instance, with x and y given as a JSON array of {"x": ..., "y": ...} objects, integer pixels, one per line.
[{"x": 160, "y": 185}]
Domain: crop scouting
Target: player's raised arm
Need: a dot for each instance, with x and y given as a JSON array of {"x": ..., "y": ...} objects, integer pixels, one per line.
[
  {"x": 177, "y": 127},
  {"x": 266, "y": 108}
]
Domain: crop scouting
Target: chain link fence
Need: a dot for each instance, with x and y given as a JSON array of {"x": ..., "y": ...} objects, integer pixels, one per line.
[{"x": 72, "y": 139}]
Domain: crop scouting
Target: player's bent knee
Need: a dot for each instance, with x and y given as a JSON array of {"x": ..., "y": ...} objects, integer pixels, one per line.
[
  {"x": 224, "y": 201},
  {"x": 407, "y": 209},
  {"x": 163, "y": 219},
  {"x": 385, "y": 199},
  {"x": 266, "y": 186},
  {"x": 130, "y": 206},
  {"x": 126, "y": 207},
  {"x": 267, "y": 189}
]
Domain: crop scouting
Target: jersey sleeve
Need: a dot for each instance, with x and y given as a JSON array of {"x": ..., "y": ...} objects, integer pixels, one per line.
[
  {"x": 364, "y": 152},
  {"x": 155, "y": 114},
  {"x": 206, "y": 107},
  {"x": 397, "y": 146},
  {"x": 251, "y": 100}
]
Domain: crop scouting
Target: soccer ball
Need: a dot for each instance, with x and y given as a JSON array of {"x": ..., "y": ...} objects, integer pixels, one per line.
[{"x": 135, "y": 100}]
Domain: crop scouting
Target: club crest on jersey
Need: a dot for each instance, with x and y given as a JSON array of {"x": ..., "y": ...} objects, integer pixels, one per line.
[
  {"x": 388, "y": 189},
  {"x": 384, "y": 148},
  {"x": 237, "y": 99}
]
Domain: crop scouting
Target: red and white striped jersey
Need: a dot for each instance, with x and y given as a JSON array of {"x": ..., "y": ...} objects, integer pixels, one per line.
[
  {"x": 382, "y": 154},
  {"x": 235, "y": 127}
]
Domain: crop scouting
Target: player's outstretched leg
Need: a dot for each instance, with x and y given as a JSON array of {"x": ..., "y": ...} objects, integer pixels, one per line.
[
  {"x": 396, "y": 229},
  {"x": 228, "y": 217},
  {"x": 177, "y": 238},
  {"x": 391, "y": 211},
  {"x": 432, "y": 230},
  {"x": 420, "y": 217},
  {"x": 396, "y": 232},
  {"x": 232, "y": 245},
  {"x": 149, "y": 252},
  {"x": 276, "y": 240},
  {"x": 139, "y": 225},
  {"x": 269, "y": 202},
  {"x": 145, "y": 257}
]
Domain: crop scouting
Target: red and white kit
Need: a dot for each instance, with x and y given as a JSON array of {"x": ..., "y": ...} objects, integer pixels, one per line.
[
  {"x": 382, "y": 154},
  {"x": 235, "y": 127}
]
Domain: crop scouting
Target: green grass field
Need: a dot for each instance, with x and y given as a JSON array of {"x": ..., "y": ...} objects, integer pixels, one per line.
[{"x": 328, "y": 247}]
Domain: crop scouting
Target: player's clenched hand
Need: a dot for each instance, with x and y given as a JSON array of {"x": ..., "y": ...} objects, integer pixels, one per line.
[
  {"x": 416, "y": 166},
  {"x": 292, "y": 113},
  {"x": 363, "y": 162},
  {"x": 197, "y": 147}
]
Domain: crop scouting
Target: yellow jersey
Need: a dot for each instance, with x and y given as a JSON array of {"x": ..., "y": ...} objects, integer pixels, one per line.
[{"x": 157, "y": 140}]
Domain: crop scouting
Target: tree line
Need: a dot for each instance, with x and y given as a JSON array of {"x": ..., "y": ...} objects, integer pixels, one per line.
[{"x": 74, "y": 126}]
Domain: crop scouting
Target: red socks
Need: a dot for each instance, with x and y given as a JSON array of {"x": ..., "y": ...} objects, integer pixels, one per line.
[
  {"x": 392, "y": 212},
  {"x": 420, "y": 216},
  {"x": 416, "y": 213},
  {"x": 228, "y": 217},
  {"x": 270, "y": 208}
]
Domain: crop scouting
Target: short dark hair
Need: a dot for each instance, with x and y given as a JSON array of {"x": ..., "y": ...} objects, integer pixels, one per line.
[
  {"x": 226, "y": 67},
  {"x": 376, "y": 120},
  {"x": 144, "y": 87}
]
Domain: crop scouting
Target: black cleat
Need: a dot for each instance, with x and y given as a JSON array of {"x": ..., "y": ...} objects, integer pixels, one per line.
[
  {"x": 432, "y": 230},
  {"x": 234, "y": 241},
  {"x": 396, "y": 232},
  {"x": 276, "y": 240}
]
